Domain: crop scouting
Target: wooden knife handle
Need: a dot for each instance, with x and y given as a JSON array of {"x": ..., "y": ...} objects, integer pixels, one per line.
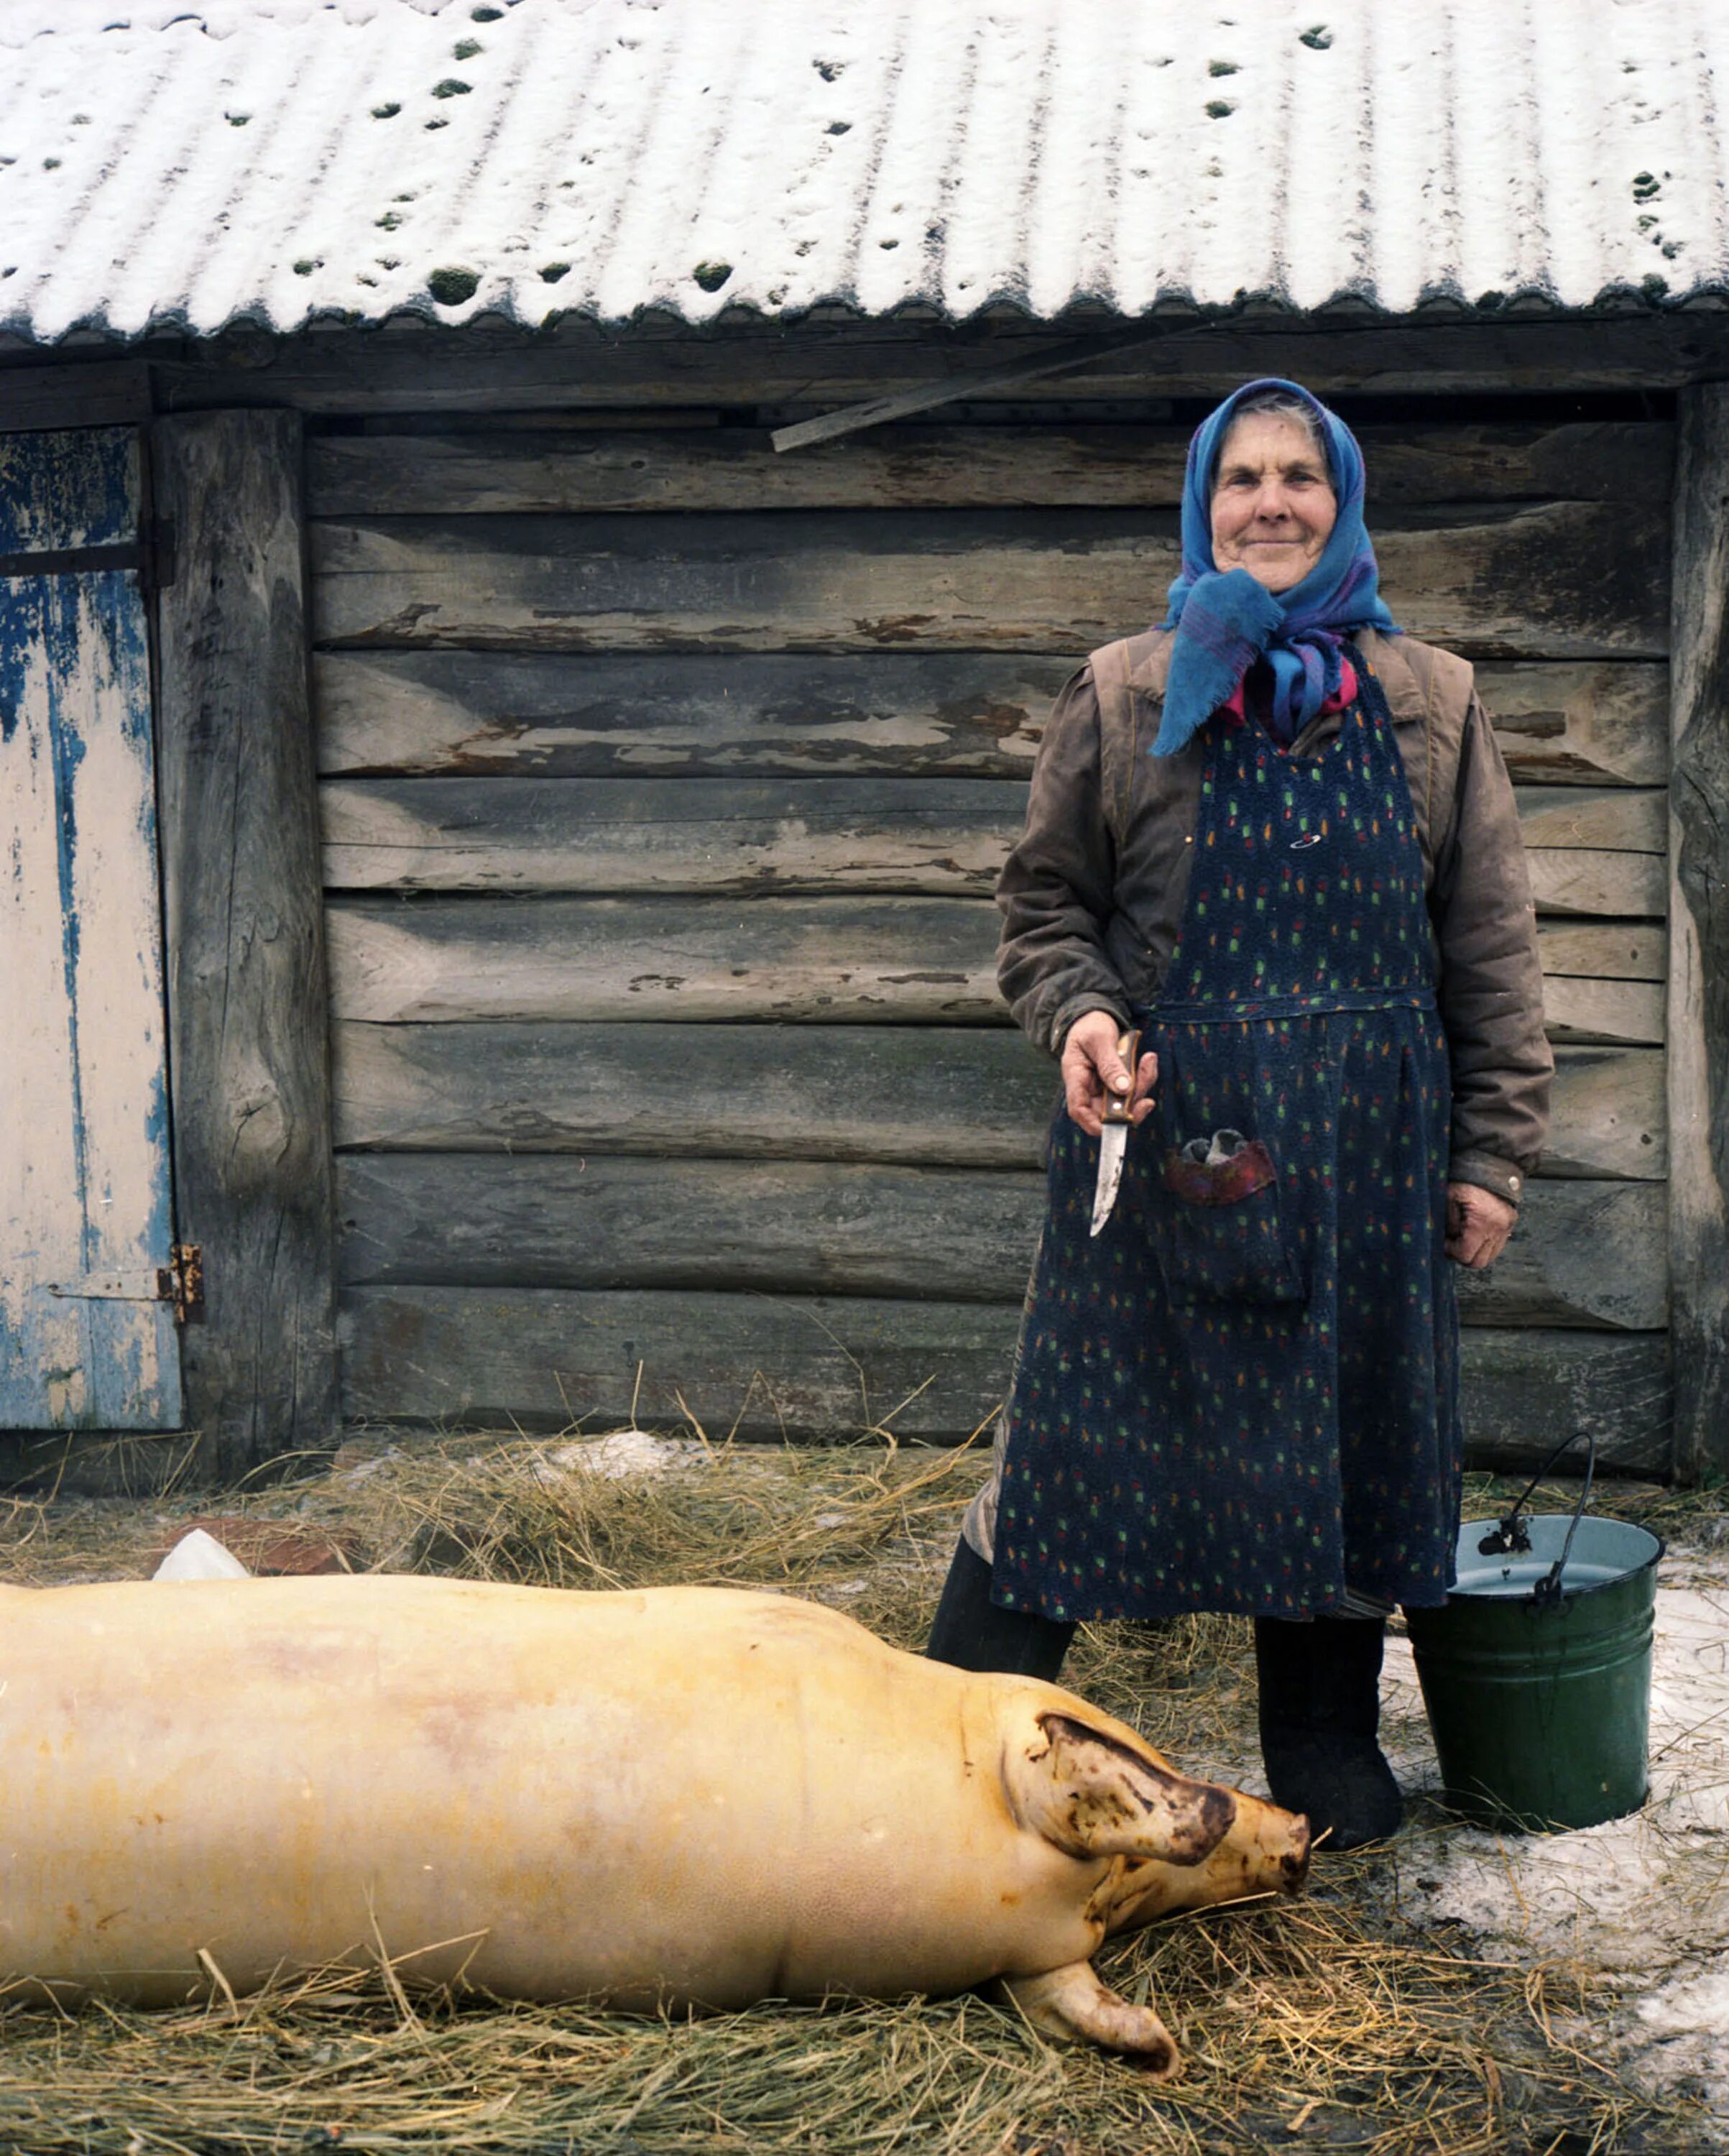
[{"x": 1116, "y": 1108}]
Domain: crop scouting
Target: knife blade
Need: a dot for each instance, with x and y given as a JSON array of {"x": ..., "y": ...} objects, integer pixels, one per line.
[{"x": 1113, "y": 1139}]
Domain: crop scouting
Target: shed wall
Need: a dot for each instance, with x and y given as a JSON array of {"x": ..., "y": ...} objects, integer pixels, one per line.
[{"x": 663, "y": 785}]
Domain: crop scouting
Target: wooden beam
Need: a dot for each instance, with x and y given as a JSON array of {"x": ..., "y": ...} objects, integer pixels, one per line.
[
  {"x": 1596, "y": 880},
  {"x": 936, "y": 836},
  {"x": 926, "y": 1096},
  {"x": 246, "y": 981},
  {"x": 1698, "y": 937},
  {"x": 961, "y": 714},
  {"x": 774, "y": 1367},
  {"x": 105, "y": 392},
  {"x": 569, "y": 471},
  {"x": 1565, "y": 580},
  {"x": 833, "y": 960},
  {"x": 1585, "y": 1253},
  {"x": 416, "y": 368},
  {"x": 1616, "y": 819},
  {"x": 882, "y": 960}
]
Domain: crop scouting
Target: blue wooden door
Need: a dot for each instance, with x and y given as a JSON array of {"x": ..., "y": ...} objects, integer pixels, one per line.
[{"x": 86, "y": 1216}]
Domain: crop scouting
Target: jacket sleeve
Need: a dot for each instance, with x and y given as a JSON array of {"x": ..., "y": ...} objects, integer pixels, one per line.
[
  {"x": 1492, "y": 979},
  {"x": 1055, "y": 893}
]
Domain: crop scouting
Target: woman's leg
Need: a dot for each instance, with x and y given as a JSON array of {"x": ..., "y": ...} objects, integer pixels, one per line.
[
  {"x": 971, "y": 1632},
  {"x": 1320, "y": 1712}
]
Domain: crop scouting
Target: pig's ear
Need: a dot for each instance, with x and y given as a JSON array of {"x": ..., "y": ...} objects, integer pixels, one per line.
[{"x": 1085, "y": 1790}]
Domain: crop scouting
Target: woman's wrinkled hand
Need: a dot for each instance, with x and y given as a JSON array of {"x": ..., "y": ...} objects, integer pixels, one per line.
[
  {"x": 1478, "y": 1225},
  {"x": 1094, "y": 1071}
]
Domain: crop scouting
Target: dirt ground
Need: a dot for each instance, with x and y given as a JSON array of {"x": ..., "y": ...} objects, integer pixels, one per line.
[{"x": 1458, "y": 1990}]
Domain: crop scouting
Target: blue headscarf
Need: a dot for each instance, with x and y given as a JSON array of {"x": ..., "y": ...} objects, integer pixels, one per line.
[{"x": 1224, "y": 623}]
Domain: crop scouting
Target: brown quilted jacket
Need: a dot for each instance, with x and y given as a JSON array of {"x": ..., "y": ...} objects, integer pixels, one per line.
[{"x": 1092, "y": 895}]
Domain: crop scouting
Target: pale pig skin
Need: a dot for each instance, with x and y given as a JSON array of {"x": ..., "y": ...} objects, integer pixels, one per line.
[{"x": 686, "y": 1796}]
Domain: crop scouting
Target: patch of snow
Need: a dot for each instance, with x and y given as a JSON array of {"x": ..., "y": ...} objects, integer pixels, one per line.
[
  {"x": 1643, "y": 1900},
  {"x": 621, "y": 1456},
  {"x": 199, "y": 1556}
]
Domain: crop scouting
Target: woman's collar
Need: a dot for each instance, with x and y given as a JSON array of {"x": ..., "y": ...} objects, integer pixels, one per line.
[{"x": 1405, "y": 698}]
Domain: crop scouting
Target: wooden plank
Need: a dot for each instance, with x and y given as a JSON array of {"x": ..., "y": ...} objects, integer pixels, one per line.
[
  {"x": 1593, "y": 879},
  {"x": 1607, "y": 1115},
  {"x": 1580, "y": 726},
  {"x": 1630, "y": 1011},
  {"x": 1609, "y": 950},
  {"x": 917, "y": 835},
  {"x": 247, "y": 1001},
  {"x": 893, "y": 961},
  {"x": 777, "y": 1368},
  {"x": 586, "y": 715},
  {"x": 571, "y": 472},
  {"x": 1699, "y": 939},
  {"x": 878, "y": 960},
  {"x": 1564, "y": 580},
  {"x": 765, "y": 1367},
  {"x": 936, "y": 836},
  {"x": 930, "y": 1095},
  {"x": 1626, "y": 820},
  {"x": 1525, "y": 1390},
  {"x": 410, "y": 367},
  {"x": 538, "y": 714},
  {"x": 103, "y": 392},
  {"x": 1585, "y": 1253}
]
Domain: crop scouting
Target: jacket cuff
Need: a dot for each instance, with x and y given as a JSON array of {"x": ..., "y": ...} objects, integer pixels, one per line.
[
  {"x": 1504, "y": 1178},
  {"x": 1078, "y": 1007}
]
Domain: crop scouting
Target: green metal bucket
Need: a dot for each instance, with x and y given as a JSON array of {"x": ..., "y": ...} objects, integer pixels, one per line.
[{"x": 1536, "y": 1673}]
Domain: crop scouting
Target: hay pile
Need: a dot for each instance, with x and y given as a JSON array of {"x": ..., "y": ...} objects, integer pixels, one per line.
[{"x": 1329, "y": 2021}]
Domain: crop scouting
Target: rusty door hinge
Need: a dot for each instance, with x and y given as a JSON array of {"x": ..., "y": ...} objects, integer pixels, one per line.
[{"x": 181, "y": 1282}]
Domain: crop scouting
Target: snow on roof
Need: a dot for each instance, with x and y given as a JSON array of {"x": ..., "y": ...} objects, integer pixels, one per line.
[{"x": 182, "y": 166}]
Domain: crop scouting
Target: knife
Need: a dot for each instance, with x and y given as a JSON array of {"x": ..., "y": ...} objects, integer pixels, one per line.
[{"x": 1113, "y": 1139}]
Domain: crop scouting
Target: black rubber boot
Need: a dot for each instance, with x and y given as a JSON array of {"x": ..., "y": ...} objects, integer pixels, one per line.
[
  {"x": 1319, "y": 1710},
  {"x": 971, "y": 1633}
]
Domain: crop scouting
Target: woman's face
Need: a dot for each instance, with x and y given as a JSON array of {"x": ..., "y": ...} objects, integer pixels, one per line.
[{"x": 1273, "y": 504}]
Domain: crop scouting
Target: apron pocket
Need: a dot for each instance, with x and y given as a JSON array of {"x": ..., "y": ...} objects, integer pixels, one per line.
[{"x": 1222, "y": 1233}]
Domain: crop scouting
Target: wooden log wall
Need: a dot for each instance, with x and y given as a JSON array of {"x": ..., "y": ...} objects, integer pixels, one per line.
[{"x": 665, "y": 782}]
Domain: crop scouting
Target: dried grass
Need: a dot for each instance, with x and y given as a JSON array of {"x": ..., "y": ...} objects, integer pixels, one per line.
[{"x": 1325, "y": 2021}]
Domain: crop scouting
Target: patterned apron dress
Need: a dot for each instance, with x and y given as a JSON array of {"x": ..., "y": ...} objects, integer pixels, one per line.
[{"x": 1243, "y": 1393}]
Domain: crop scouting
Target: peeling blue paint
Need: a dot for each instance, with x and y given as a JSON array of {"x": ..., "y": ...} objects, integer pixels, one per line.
[{"x": 75, "y": 695}]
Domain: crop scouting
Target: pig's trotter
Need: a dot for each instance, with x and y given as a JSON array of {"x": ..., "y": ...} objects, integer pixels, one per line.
[{"x": 1074, "y": 2007}]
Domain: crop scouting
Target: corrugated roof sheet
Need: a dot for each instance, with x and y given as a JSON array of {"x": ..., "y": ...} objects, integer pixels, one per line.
[{"x": 167, "y": 166}]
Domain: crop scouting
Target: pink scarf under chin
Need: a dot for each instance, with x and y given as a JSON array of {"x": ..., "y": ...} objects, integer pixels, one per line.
[{"x": 1342, "y": 698}]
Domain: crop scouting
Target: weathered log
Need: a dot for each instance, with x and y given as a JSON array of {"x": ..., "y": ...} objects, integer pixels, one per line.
[
  {"x": 932, "y": 1095},
  {"x": 818, "y": 365},
  {"x": 1608, "y": 1117},
  {"x": 938, "y": 836},
  {"x": 882, "y": 960},
  {"x": 929, "y": 835},
  {"x": 1585, "y": 1253},
  {"x": 1629, "y": 1011},
  {"x": 569, "y": 471},
  {"x": 744, "y": 714},
  {"x": 777, "y": 1368},
  {"x": 1565, "y": 724},
  {"x": 1559, "y": 579},
  {"x": 247, "y": 1004},
  {"x": 927, "y": 1095},
  {"x": 1699, "y": 938},
  {"x": 1593, "y": 879},
  {"x": 1607, "y": 950},
  {"x": 1623, "y": 820}
]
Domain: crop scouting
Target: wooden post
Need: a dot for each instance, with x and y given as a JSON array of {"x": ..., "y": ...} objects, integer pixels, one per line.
[
  {"x": 247, "y": 1025},
  {"x": 1699, "y": 937}
]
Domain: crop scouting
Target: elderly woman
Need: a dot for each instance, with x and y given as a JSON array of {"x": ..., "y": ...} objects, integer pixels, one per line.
[{"x": 1276, "y": 836}]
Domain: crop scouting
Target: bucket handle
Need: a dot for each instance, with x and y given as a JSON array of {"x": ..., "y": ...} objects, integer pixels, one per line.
[{"x": 1511, "y": 1533}]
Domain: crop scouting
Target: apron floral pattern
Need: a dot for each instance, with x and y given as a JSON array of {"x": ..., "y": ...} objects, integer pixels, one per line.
[{"x": 1243, "y": 1393}]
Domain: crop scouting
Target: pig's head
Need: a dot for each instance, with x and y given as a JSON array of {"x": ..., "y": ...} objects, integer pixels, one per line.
[{"x": 1093, "y": 1787}]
